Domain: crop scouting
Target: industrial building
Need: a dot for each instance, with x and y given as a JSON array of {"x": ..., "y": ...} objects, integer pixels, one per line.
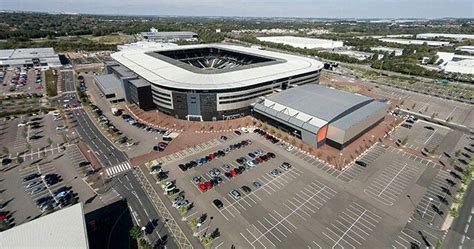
[
  {"x": 469, "y": 49},
  {"x": 302, "y": 42},
  {"x": 456, "y": 63},
  {"x": 39, "y": 57},
  {"x": 211, "y": 82},
  {"x": 442, "y": 35},
  {"x": 65, "y": 228},
  {"x": 415, "y": 42},
  {"x": 156, "y": 36},
  {"x": 321, "y": 115},
  {"x": 396, "y": 51}
]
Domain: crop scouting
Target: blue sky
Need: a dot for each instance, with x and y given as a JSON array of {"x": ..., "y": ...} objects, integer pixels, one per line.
[{"x": 266, "y": 8}]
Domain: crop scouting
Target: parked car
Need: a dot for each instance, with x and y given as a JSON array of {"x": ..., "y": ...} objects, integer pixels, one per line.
[
  {"x": 218, "y": 203},
  {"x": 256, "y": 184},
  {"x": 246, "y": 189},
  {"x": 361, "y": 163},
  {"x": 234, "y": 194}
]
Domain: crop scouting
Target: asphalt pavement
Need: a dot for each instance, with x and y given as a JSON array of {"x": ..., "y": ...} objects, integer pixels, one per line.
[
  {"x": 126, "y": 185},
  {"x": 461, "y": 233}
]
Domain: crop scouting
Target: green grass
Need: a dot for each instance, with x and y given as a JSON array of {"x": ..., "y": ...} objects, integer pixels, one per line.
[{"x": 51, "y": 83}]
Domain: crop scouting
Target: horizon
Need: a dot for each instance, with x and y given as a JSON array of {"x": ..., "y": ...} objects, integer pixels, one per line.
[{"x": 304, "y": 9}]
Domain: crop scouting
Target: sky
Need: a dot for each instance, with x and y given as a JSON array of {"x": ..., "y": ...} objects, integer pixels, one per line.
[{"x": 255, "y": 8}]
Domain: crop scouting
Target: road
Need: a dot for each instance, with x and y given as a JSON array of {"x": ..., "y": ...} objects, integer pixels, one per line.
[
  {"x": 145, "y": 215},
  {"x": 126, "y": 185},
  {"x": 461, "y": 233}
]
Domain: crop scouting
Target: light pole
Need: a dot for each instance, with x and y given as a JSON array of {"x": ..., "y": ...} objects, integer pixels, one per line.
[
  {"x": 340, "y": 160},
  {"x": 210, "y": 222},
  {"x": 411, "y": 201},
  {"x": 426, "y": 208}
]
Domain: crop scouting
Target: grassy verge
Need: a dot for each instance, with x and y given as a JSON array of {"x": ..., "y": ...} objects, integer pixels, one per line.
[{"x": 51, "y": 82}]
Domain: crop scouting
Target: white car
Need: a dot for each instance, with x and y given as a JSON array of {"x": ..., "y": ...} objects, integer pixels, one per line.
[
  {"x": 170, "y": 188},
  {"x": 244, "y": 130},
  {"x": 290, "y": 148},
  {"x": 22, "y": 124}
]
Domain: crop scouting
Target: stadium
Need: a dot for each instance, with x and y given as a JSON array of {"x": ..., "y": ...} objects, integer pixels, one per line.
[{"x": 211, "y": 81}]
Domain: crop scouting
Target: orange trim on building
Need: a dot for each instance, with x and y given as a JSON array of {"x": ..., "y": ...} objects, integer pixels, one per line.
[{"x": 322, "y": 133}]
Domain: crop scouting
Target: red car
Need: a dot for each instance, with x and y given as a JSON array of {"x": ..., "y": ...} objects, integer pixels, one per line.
[
  {"x": 259, "y": 160},
  {"x": 205, "y": 186},
  {"x": 233, "y": 172},
  {"x": 74, "y": 105}
]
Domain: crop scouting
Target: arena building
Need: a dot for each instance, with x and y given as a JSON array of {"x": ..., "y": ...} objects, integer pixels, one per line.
[
  {"x": 214, "y": 81},
  {"x": 321, "y": 115}
]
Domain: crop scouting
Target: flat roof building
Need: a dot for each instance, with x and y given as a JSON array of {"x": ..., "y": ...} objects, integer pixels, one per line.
[
  {"x": 111, "y": 87},
  {"x": 321, "y": 115},
  {"x": 444, "y": 35},
  {"x": 43, "y": 57},
  {"x": 303, "y": 42},
  {"x": 397, "y": 51},
  {"x": 469, "y": 49},
  {"x": 65, "y": 228},
  {"x": 415, "y": 42},
  {"x": 156, "y": 36}
]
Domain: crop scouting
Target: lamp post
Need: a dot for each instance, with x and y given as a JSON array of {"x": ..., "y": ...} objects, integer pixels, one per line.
[
  {"x": 210, "y": 222},
  {"x": 426, "y": 208},
  {"x": 411, "y": 201}
]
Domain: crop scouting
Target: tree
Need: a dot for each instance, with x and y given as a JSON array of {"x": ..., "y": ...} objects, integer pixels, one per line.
[{"x": 136, "y": 232}]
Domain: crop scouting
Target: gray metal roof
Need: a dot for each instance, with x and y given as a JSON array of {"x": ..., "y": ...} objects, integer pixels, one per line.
[
  {"x": 358, "y": 115},
  {"x": 319, "y": 101},
  {"x": 123, "y": 71},
  {"x": 139, "y": 82},
  {"x": 108, "y": 81},
  {"x": 6, "y": 53},
  {"x": 21, "y": 53},
  {"x": 65, "y": 228},
  {"x": 168, "y": 34}
]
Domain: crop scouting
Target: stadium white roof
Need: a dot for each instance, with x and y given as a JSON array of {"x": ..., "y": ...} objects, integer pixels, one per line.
[
  {"x": 65, "y": 228},
  {"x": 163, "y": 73},
  {"x": 303, "y": 42}
]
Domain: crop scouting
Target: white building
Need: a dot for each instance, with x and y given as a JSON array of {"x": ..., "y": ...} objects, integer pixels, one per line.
[
  {"x": 415, "y": 42},
  {"x": 65, "y": 228},
  {"x": 398, "y": 51},
  {"x": 42, "y": 57},
  {"x": 454, "y": 63},
  {"x": 303, "y": 42},
  {"x": 359, "y": 55},
  {"x": 435, "y": 35},
  {"x": 155, "y": 35},
  {"x": 469, "y": 49}
]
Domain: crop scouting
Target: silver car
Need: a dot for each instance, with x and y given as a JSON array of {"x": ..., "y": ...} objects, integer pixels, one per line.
[{"x": 234, "y": 194}]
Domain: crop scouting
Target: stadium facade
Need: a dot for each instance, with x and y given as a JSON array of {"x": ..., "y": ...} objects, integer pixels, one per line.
[
  {"x": 213, "y": 81},
  {"x": 321, "y": 115}
]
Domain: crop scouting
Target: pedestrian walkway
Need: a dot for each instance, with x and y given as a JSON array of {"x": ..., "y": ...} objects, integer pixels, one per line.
[{"x": 117, "y": 169}]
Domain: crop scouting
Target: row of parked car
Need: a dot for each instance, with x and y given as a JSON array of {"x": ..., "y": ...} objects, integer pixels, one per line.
[
  {"x": 104, "y": 120},
  {"x": 220, "y": 153},
  {"x": 267, "y": 135},
  {"x": 62, "y": 197},
  {"x": 129, "y": 119}
]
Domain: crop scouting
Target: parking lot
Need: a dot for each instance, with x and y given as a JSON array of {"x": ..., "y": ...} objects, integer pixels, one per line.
[
  {"x": 421, "y": 135},
  {"x": 22, "y": 80},
  {"x": 307, "y": 205},
  {"x": 444, "y": 109}
]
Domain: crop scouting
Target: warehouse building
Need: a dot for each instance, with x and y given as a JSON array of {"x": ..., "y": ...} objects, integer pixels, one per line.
[
  {"x": 394, "y": 51},
  {"x": 443, "y": 35},
  {"x": 415, "y": 42},
  {"x": 156, "y": 36},
  {"x": 321, "y": 115},
  {"x": 24, "y": 57},
  {"x": 303, "y": 42}
]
